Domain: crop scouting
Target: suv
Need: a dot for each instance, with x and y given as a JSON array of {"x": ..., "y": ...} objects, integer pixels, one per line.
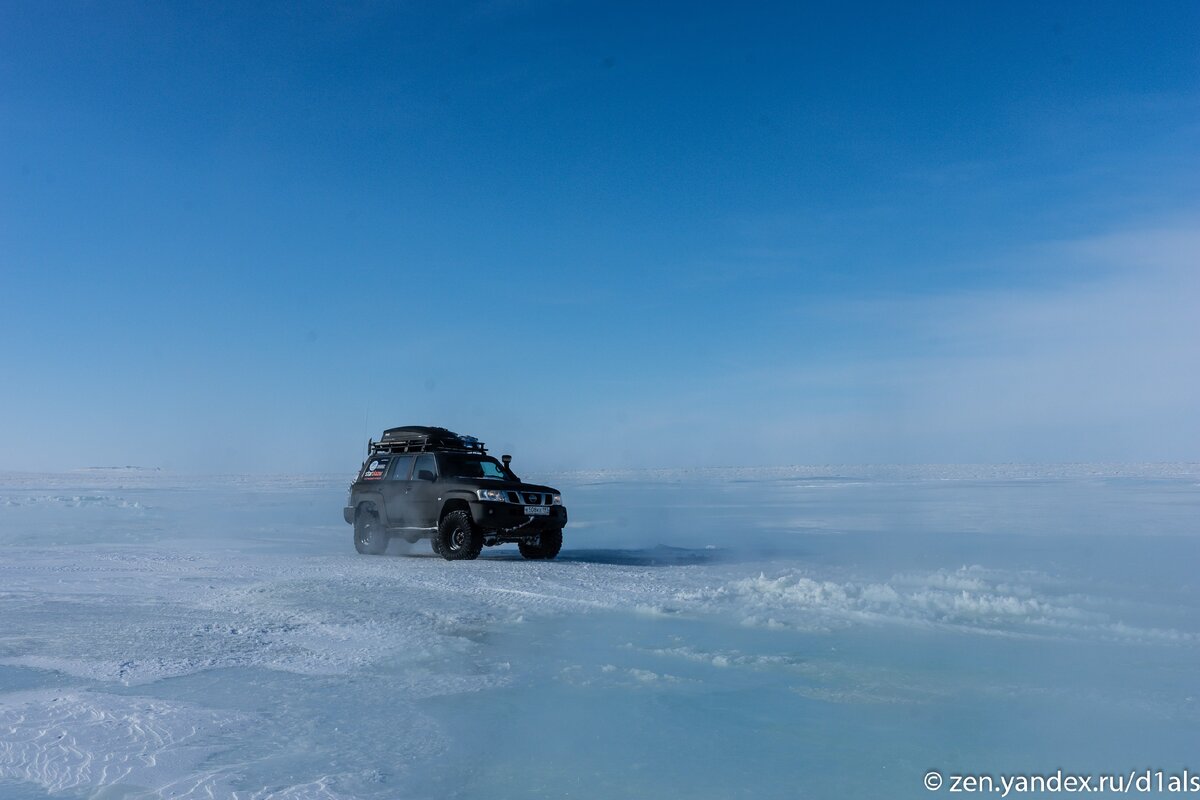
[{"x": 431, "y": 483}]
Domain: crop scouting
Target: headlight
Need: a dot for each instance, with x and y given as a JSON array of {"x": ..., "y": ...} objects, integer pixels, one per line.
[
  {"x": 492, "y": 495},
  {"x": 557, "y": 500}
]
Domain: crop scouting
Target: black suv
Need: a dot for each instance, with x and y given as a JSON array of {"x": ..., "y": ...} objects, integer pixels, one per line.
[{"x": 431, "y": 483}]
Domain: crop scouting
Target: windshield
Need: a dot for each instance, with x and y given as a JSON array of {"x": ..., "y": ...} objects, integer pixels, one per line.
[{"x": 475, "y": 467}]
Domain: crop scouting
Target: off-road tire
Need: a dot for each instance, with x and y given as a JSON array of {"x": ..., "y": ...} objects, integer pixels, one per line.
[
  {"x": 370, "y": 538},
  {"x": 549, "y": 543},
  {"x": 458, "y": 538}
]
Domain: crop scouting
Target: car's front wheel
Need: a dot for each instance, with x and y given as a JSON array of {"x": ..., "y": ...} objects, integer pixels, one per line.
[
  {"x": 546, "y": 547},
  {"x": 370, "y": 538},
  {"x": 458, "y": 538}
]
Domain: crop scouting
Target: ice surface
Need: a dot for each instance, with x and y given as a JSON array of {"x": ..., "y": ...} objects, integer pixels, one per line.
[{"x": 782, "y": 632}]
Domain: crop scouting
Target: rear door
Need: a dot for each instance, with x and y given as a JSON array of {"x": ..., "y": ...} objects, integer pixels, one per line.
[
  {"x": 423, "y": 494},
  {"x": 394, "y": 488}
]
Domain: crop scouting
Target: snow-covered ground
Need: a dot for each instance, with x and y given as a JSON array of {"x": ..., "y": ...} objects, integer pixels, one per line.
[{"x": 785, "y": 632}]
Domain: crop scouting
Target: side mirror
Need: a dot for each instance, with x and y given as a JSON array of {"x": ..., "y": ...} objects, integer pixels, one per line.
[{"x": 426, "y": 475}]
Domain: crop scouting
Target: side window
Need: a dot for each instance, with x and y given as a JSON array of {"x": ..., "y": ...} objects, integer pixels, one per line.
[
  {"x": 375, "y": 468},
  {"x": 425, "y": 463},
  {"x": 402, "y": 468},
  {"x": 490, "y": 469}
]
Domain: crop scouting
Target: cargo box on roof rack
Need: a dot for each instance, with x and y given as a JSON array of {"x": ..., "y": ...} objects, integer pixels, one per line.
[{"x": 421, "y": 438}]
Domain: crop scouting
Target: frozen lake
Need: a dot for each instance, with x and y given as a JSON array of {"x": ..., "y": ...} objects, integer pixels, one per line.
[{"x": 761, "y": 633}]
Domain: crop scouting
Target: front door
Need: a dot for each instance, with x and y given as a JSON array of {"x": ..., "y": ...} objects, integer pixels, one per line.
[{"x": 423, "y": 496}]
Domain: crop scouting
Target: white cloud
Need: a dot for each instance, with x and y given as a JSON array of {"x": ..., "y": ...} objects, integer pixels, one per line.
[
  {"x": 1105, "y": 369},
  {"x": 1098, "y": 359}
]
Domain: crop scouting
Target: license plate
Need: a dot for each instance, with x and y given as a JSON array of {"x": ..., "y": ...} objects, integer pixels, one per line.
[{"x": 537, "y": 511}]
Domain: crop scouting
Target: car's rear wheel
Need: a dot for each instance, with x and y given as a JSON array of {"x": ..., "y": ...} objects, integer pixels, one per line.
[
  {"x": 458, "y": 538},
  {"x": 370, "y": 538},
  {"x": 547, "y": 546}
]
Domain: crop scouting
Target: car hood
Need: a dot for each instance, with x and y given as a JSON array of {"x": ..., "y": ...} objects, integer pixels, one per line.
[{"x": 510, "y": 486}]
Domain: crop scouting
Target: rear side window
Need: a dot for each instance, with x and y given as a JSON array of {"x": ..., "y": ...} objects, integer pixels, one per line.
[
  {"x": 375, "y": 467},
  {"x": 401, "y": 467}
]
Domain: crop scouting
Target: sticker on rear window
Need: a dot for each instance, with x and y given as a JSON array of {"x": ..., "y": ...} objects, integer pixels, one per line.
[{"x": 374, "y": 470}]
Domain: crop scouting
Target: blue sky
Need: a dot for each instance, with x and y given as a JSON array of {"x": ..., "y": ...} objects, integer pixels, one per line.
[{"x": 243, "y": 238}]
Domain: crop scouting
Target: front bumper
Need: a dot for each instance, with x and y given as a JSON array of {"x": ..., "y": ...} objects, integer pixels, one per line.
[{"x": 511, "y": 516}]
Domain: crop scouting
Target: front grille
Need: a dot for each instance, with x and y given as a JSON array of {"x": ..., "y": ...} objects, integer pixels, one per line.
[
  {"x": 533, "y": 498},
  {"x": 513, "y": 497}
]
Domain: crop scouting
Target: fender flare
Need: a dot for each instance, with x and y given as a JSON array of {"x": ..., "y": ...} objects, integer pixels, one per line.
[
  {"x": 374, "y": 502},
  {"x": 456, "y": 498}
]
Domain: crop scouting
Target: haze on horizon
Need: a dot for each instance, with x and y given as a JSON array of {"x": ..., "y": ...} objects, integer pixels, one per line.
[{"x": 246, "y": 238}]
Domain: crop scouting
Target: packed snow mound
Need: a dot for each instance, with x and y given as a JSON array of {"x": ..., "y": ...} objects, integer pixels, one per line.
[{"x": 65, "y": 740}]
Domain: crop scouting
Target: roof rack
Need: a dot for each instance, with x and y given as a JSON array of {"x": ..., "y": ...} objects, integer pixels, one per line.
[{"x": 421, "y": 439}]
